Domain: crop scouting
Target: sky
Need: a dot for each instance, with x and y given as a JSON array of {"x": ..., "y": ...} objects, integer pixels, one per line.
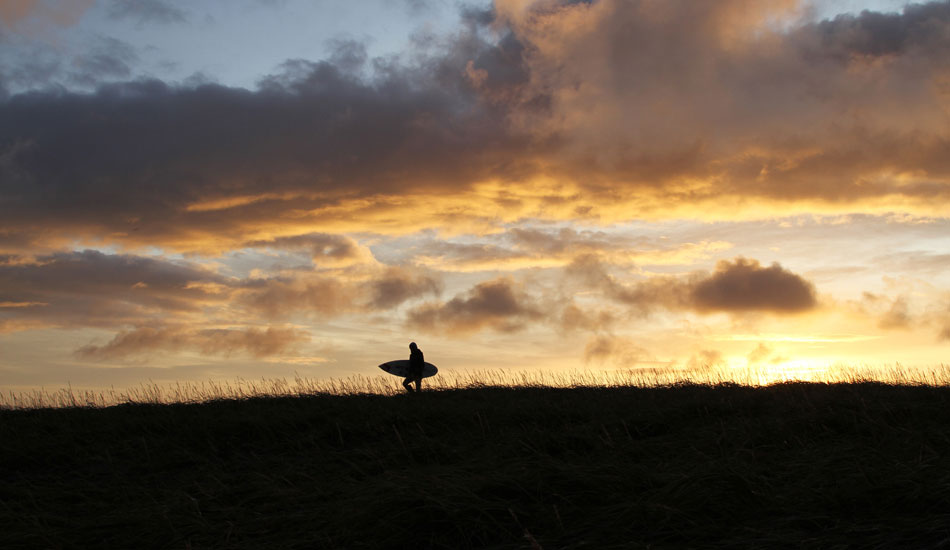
[{"x": 268, "y": 188}]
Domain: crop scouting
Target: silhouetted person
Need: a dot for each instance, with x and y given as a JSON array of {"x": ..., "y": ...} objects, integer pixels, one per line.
[{"x": 416, "y": 364}]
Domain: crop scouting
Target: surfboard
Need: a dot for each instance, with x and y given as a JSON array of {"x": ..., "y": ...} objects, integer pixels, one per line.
[{"x": 400, "y": 367}]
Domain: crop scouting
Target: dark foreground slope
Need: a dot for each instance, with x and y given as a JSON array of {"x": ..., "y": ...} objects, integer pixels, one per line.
[{"x": 794, "y": 465}]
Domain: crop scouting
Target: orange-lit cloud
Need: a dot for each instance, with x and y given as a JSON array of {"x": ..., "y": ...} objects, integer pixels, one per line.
[
  {"x": 602, "y": 111},
  {"x": 620, "y": 351},
  {"x": 738, "y": 286},
  {"x": 253, "y": 341},
  {"x": 526, "y": 247},
  {"x": 500, "y": 304},
  {"x": 59, "y": 12},
  {"x": 325, "y": 250},
  {"x": 926, "y": 310},
  {"x": 157, "y": 304}
]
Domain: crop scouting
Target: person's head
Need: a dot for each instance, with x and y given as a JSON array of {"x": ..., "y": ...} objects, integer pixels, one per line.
[{"x": 412, "y": 345}]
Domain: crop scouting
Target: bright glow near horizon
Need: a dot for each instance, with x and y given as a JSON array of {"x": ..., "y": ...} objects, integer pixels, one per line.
[{"x": 258, "y": 189}]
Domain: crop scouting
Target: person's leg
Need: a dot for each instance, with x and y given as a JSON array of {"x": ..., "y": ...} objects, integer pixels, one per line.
[
  {"x": 407, "y": 383},
  {"x": 418, "y": 383}
]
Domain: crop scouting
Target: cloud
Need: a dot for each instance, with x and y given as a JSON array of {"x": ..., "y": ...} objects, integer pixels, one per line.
[
  {"x": 253, "y": 341},
  {"x": 919, "y": 305},
  {"x": 107, "y": 59},
  {"x": 897, "y": 316},
  {"x": 641, "y": 297},
  {"x": 763, "y": 355},
  {"x": 177, "y": 167},
  {"x": 573, "y": 317},
  {"x": 705, "y": 359},
  {"x": 693, "y": 98},
  {"x": 872, "y": 34},
  {"x": 622, "y": 352},
  {"x": 396, "y": 286},
  {"x": 64, "y": 13},
  {"x": 744, "y": 285},
  {"x": 144, "y": 12},
  {"x": 281, "y": 298},
  {"x": 921, "y": 262},
  {"x": 89, "y": 288},
  {"x": 135, "y": 294},
  {"x": 500, "y": 304},
  {"x": 547, "y": 110},
  {"x": 528, "y": 247},
  {"x": 324, "y": 249},
  {"x": 36, "y": 67},
  {"x": 737, "y": 286},
  {"x": 322, "y": 295},
  {"x": 890, "y": 313},
  {"x": 87, "y": 63}
]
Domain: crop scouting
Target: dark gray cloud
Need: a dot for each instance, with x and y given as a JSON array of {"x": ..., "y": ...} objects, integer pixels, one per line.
[
  {"x": 91, "y": 62},
  {"x": 106, "y": 59},
  {"x": 142, "y": 160},
  {"x": 874, "y": 34},
  {"x": 34, "y": 67},
  {"x": 144, "y": 12}
]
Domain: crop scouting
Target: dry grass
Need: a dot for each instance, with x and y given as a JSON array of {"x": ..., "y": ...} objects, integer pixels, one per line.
[{"x": 215, "y": 390}]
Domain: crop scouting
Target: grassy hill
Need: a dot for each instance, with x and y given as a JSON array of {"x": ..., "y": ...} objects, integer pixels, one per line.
[{"x": 790, "y": 465}]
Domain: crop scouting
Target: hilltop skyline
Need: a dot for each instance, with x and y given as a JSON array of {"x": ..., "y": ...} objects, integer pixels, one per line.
[{"x": 263, "y": 188}]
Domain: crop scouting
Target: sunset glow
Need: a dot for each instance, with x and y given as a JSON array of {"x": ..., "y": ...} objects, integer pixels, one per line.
[{"x": 543, "y": 185}]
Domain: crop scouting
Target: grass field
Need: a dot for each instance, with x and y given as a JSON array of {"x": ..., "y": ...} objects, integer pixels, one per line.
[
  {"x": 805, "y": 465},
  {"x": 213, "y": 390}
]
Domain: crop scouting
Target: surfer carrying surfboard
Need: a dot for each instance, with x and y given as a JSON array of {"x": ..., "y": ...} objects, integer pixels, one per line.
[
  {"x": 413, "y": 369},
  {"x": 416, "y": 364}
]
